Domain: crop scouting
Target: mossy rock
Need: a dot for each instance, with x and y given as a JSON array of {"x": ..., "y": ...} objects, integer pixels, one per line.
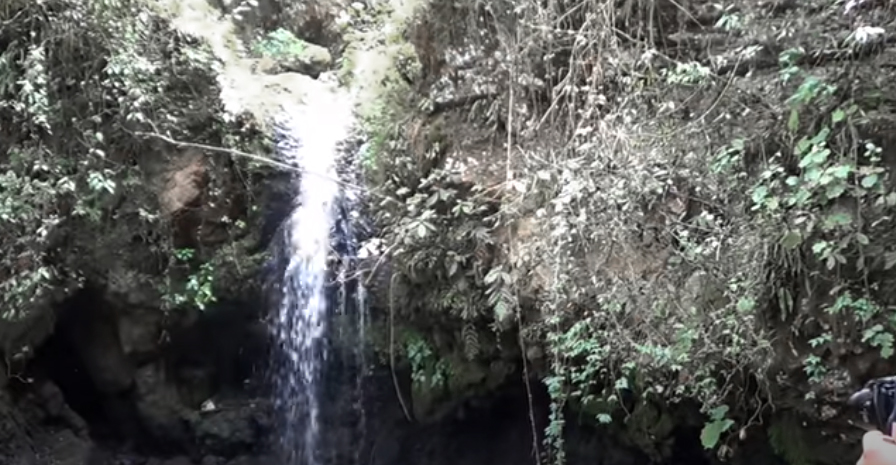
[
  {"x": 283, "y": 52},
  {"x": 464, "y": 379}
]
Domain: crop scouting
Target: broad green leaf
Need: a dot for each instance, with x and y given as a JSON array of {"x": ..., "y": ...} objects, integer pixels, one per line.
[
  {"x": 834, "y": 191},
  {"x": 838, "y": 115},
  {"x": 821, "y": 136},
  {"x": 759, "y": 194},
  {"x": 745, "y": 304},
  {"x": 802, "y": 146},
  {"x": 837, "y": 219},
  {"x": 869, "y": 181},
  {"x": 713, "y": 431},
  {"x": 793, "y": 123},
  {"x": 841, "y": 171},
  {"x": 889, "y": 260},
  {"x": 718, "y": 413},
  {"x": 791, "y": 240}
]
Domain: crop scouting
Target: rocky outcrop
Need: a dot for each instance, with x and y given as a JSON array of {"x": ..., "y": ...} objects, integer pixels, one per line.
[
  {"x": 310, "y": 60},
  {"x": 147, "y": 346},
  {"x": 639, "y": 209},
  {"x": 507, "y": 425},
  {"x": 314, "y": 21},
  {"x": 110, "y": 367},
  {"x": 83, "y": 393}
]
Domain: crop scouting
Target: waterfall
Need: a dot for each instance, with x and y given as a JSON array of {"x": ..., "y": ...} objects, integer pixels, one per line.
[{"x": 315, "y": 253}]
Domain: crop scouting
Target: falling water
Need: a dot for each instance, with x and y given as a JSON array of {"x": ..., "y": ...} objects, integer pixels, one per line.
[{"x": 317, "y": 242}]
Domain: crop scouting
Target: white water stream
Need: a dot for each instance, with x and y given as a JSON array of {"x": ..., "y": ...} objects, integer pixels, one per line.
[
  {"x": 318, "y": 241},
  {"x": 308, "y": 136}
]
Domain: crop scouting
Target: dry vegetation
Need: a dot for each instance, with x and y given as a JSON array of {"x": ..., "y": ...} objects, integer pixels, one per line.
[{"x": 682, "y": 200}]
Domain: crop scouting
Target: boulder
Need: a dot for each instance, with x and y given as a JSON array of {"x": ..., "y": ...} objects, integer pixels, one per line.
[
  {"x": 160, "y": 408},
  {"x": 308, "y": 59},
  {"x": 232, "y": 429},
  {"x": 312, "y": 61},
  {"x": 182, "y": 182},
  {"x": 51, "y": 400},
  {"x": 60, "y": 448}
]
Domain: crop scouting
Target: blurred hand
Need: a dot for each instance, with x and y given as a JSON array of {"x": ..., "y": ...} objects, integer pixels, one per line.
[{"x": 877, "y": 449}]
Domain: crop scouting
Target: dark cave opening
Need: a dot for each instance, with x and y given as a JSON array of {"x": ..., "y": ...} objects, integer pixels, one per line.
[
  {"x": 687, "y": 448},
  {"x": 61, "y": 365},
  {"x": 110, "y": 416},
  {"x": 83, "y": 364},
  {"x": 227, "y": 346}
]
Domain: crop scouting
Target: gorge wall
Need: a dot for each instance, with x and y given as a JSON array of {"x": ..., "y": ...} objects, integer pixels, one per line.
[
  {"x": 644, "y": 205},
  {"x": 613, "y": 233}
]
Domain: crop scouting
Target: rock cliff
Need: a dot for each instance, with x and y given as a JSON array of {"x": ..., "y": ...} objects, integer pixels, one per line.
[
  {"x": 139, "y": 198},
  {"x": 652, "y": 208},
  {"x": 612, "y": 232}
]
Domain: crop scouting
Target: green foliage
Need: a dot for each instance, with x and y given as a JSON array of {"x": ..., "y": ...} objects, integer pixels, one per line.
[
  {"x": 605, "y": 332},
  {"x": 428, "y": 370},
  {"x": 198, "y": 290},
  {"x": 714, "y": 428},
  {"x": 829, "y": 202},
  {"x": 501, "y": 296},
  {"x": 644, "y": 268},
  {"x": 79, "y": 83},
  {"x": 876, "y": 323},
  {"x": 280, "y": 44},
  {"x": 688, "y": 74},
  {"x": 439, "y": 229}
]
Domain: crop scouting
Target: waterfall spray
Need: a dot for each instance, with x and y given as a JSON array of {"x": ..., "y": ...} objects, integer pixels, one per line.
[{"x": 317, "y": 249}]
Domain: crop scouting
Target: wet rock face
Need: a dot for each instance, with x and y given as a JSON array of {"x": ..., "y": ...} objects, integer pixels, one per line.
[
  {"x": 105, "y": 382},
  {"x": 494, "y": 429},
  {"x": 91, "y": 329},
  {"x": 62, "y": 448},
  {"x": 498, "y": 429},
  {"x": 233, "y": 429}
]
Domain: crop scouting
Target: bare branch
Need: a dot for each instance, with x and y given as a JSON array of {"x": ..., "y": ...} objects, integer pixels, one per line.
[
  {"x": 261, "y": 159},
  {"x": 211, "y": 148}
]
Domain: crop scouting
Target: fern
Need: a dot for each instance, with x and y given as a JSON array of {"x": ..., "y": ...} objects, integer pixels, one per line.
[
  {"x": 500, "y": 294},
  {"x": 471, "y": 341}
]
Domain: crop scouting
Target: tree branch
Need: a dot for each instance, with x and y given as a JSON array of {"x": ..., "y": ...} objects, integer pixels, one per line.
[
  {"x": 211, "y": 148},
  {"x": 259, "y": 158}
]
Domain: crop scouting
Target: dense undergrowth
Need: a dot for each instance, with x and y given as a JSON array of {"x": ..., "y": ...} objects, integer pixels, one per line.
[
  {"x": 642, "y": 202},
  {"x": 662, "y": 202},
  {"x": 91, "y": 95}
]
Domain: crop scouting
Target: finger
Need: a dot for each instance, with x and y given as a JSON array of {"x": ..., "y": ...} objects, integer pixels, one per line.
[{"x": 878, "y": 449}]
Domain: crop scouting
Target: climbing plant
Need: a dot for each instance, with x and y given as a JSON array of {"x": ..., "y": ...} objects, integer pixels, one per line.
[
  {"x": 88, "y": 92},
  {"x": 650, "y": 221}
]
